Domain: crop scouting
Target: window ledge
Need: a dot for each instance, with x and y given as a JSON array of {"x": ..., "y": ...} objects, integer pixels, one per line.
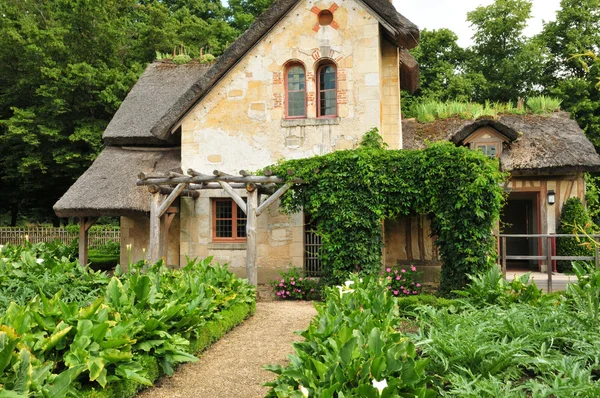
[
  {"x": 310, "y": 122},
  {"x": 227, "y": 246}
]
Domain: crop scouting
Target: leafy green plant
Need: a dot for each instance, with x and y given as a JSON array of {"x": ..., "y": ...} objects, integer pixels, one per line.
[
  {"x": 573, "y": 216},
  {"x": 543, "y": 104},
  {"x": 54, "y": 347},
  {"x": 291, "y": 285},
  {"x": 403, "y": 281},
  {"x": 352, "y": 348},
  {"x": 348, "y": 194},
  {"x": 490, "y": 288}
]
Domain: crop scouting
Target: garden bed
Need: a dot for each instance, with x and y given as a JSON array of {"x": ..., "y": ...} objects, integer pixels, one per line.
[
  {"x": 81, "y": 332},
  {"x": 499, "y": 339}
]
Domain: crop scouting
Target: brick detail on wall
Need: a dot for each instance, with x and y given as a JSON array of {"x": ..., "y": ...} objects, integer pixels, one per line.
[
  {"x": 341, "y": 75},
  {"x": 342, "y": 96},
  {"x": 310, "y": 76},
  {"x": 277, "y": 100},
  {"x": 310, "y": 98},
  {"x": 277, "y": 78}
]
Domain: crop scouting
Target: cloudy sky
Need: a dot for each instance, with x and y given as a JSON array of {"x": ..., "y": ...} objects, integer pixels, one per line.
[{"x": 452, "y": 14}]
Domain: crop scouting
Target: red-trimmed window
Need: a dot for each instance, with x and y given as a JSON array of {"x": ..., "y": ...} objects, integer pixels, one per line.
[
  {"x": 295, "y": 84},
  {"x": 326, "y": 91},
  {"x": 229, "y": 221}
]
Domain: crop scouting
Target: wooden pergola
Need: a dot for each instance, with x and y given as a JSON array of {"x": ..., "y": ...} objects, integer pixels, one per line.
[{"x": 166, "y": 187}]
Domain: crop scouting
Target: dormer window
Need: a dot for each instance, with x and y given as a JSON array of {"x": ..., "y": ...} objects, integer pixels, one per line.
[
  {"x": 488, "y": 140},
  {"x": 295, "y": 85}
]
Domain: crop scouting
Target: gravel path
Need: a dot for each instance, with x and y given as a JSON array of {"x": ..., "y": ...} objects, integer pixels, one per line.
[{"x": 232, "y": 366}]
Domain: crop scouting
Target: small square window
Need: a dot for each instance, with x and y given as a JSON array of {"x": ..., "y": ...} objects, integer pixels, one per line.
[{"x": 229, "y": 221}]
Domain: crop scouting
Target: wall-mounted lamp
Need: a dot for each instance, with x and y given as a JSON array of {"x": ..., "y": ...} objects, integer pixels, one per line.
[{"x": 551, "y": 197}]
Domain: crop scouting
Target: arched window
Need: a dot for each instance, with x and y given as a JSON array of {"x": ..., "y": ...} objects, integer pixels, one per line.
[
  {"x": 326, "y": 91},
  {"x": 295, "y": 85}
]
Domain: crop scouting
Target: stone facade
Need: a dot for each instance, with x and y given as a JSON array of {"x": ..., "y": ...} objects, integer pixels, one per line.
[{"x": 241, "y": 124}]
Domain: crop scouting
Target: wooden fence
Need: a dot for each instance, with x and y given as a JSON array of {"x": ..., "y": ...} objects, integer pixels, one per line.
[{"x": 15, "y": 236}]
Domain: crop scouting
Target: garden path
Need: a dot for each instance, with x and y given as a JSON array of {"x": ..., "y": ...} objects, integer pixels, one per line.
[{"x": 232, "y": 366}]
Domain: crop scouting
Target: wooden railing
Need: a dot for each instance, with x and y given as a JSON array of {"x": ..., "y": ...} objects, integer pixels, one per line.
[
  {"x": 15, "y": 236},
  {"x": 547, "y": 252}
]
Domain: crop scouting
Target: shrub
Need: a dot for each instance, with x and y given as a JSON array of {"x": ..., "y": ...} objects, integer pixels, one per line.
[
  {"x": 573, "y": 216},
  {"x": 353, "y": 349},
  {"x": 291, "y": 285},
  {"x": 403, "y": 281}
]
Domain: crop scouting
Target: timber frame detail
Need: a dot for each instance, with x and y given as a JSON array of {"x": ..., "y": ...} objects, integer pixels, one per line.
[{"x": 166, "y": 187}]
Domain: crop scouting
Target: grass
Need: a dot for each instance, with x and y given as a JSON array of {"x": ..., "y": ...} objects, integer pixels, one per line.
[{"x": 431, "y": 110}]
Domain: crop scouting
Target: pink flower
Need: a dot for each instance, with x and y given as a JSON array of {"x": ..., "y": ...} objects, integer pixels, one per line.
[
  {"x": 414, "y": 292},
  {"x": 402, "y": 287},
  {"x": 279, "y": 293},
  {"x": 413, "y": 268},
  {"x": 418, "y": 285},
  {"x": 405, "y": 291},
  {"x": 398, "y": 278},
  {"x": 312, "y": 290},
  {"x": 395, "y": 292},
  {"x": 300, "y": 279},
  {"x": 288, "y": 293},
  {"x": 283, "y": 280},
  {"x": 388, "y": 269},
  {"x": 389, "y": 288},
  {"x": 292, "y": 282},
  {"x": 395, "y": 271},
  {"x": 389, "y": 278},
  {"x": 281, "y": 284},
  {"x": 403, "y": 270}
]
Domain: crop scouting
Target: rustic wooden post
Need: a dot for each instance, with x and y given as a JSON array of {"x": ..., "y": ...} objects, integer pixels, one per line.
[
  {"x": 549, "y": 263},
  {"x": 503, "y": 256},
  {"x": 85, "y": 223},
  {"x": 153, "y": 253},
  {"x": 164, "y": 239},
  {"x": 251, "y": 217}
]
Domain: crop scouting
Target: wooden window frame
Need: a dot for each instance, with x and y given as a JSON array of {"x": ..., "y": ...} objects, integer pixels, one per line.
[
  {"x": 285, "y": 82},
  {"x": 234, "y": 219},
  {"x": 318, "y": 89},
  {"x": 498, "y": 145}
]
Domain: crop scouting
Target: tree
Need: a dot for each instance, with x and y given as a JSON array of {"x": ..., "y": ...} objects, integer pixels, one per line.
[
  {"x": 575, "y": 31},
  {"x": 66, "y": 66},
  {"x": 509, "y": 62}
]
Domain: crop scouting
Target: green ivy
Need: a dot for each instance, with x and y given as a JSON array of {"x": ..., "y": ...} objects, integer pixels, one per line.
[{"x": 349, "y": 193}]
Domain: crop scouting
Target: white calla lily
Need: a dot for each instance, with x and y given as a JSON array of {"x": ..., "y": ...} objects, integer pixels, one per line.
[
  {"x": 349, "y": 283},
  {"x": 39, "y": 260},
  {"x": 303, "y": 390},
  {"x": 380, "y": 385}
]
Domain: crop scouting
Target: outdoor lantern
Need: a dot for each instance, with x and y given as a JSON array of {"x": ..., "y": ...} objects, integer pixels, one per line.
[{"x": 551, "y": 197}]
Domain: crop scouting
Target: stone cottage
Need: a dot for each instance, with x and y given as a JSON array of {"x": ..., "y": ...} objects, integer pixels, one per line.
[{"x": 308, "y": 77}]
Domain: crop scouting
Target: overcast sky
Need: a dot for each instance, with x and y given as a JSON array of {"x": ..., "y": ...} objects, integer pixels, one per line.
[{"x": 452, "y": 14}]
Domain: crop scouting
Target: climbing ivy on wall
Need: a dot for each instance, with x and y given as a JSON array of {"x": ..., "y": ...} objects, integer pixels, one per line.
[{"x": 349, "y": 193}]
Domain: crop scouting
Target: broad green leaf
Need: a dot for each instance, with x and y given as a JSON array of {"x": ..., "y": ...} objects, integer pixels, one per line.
[
  {"x": 62, "y": 383},
  {"x": 58, "y": 335},
  {"x": 95, "y": 367}
]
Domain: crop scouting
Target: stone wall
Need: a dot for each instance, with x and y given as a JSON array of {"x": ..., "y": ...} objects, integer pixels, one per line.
[
  {"x": 135, "y": 231},
  {"x": 241, "y": 124}
]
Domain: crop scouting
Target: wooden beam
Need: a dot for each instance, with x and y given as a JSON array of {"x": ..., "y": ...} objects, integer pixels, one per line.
[
  {"x": 271, "y": 199},
  {"x": 251, "y": 252},
  {"x": 153, "y": 252},
  {"x": 224, "y": 178},
  {"x": 85, "y": 224},
  {"x": 164, "y": 239},
  {"x": 237, "y": 198},
  {"x": 170, "y": 199},
  {"x": 186, "y": 192}
]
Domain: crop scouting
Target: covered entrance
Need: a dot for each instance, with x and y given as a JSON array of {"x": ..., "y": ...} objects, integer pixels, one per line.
[{"x": 521, "y": 215}]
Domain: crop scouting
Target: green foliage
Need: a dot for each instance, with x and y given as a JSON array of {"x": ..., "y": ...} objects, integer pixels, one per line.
[
  {"x": 67, "y": 65},
  {"x": 490, "y": 288},
  {"x": 403, "y": 281},
  {"x": 291, "y": 285},
  {"x": 349, "y": 193},
  {"x": 430, "y": 110},
  {"x": 102, "y": 339},
  {"x": 573, "y": 216},
  {"x": 44, "y": 268},
  {"x": 351, "y": 345}
]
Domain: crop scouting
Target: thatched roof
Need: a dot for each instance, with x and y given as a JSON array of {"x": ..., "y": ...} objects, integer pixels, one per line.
[
  {"x": 538, "y": 144},
  {"x": 164, "y": 93},
  {"x": 151, "y": 98},
  {"x": 108, "y": 187}
]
